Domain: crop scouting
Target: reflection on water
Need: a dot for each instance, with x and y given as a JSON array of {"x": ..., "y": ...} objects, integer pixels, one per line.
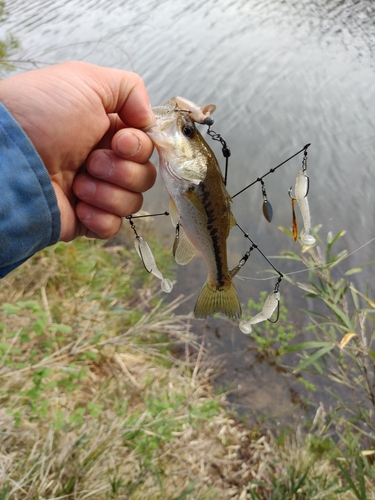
[{"x": 281, "y": 72}]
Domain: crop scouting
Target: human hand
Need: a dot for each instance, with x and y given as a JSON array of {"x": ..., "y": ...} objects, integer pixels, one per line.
[{"x": 84, "y": 121}]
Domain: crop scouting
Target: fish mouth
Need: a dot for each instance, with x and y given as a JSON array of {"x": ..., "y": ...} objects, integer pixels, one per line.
[
  {"x": 165, "y": 116},
  {"x": 156, "y": 131}
]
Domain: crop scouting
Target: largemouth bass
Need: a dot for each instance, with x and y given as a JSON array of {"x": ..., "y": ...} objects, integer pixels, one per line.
[{"x": 200, "y": 206}]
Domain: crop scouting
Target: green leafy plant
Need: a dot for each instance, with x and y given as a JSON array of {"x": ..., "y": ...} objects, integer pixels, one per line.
[
  {"x": 343, "y": 352},
  {"x": 271, "y": 339}
]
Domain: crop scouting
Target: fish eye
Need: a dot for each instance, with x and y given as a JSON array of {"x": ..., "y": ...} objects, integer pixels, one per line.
[{"x": 188, "y": 130}]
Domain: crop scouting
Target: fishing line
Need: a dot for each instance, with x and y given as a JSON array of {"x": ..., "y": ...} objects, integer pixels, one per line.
[{"x": 299, "y": 271}]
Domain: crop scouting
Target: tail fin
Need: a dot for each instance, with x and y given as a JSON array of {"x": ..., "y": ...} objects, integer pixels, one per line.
[{"x": 218, "y": 300}]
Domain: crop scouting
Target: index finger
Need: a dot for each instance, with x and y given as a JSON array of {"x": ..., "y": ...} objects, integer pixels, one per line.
[{"x": 123, "y": 92}]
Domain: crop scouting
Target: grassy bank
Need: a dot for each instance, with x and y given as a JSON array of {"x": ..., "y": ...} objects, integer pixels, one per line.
[{"x": 106, "y": 393}]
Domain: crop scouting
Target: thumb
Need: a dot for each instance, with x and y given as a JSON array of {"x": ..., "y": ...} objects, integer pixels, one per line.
[{"x": 121, "y": 92}]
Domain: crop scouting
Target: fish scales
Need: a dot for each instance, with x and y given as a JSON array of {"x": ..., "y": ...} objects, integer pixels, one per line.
[
  {"x": 200, "y": 201},
  {"x": 217, "y": 209}
]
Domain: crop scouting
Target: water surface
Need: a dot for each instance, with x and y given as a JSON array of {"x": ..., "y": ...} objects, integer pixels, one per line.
[{"x": 282, "y": 74}]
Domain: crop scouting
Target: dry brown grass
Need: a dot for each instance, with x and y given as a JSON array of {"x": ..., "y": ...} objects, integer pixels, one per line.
[{"x": 94, "y": 404}]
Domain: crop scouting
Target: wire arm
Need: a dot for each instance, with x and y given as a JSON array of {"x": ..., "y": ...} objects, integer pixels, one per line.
[
  {"x": 272, "y": 170},
  {"x": 130, "y": 217},
  {"x": 255, "y": 246}
]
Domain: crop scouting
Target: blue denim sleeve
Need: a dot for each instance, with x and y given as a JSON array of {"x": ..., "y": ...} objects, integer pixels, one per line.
[{"x": 29, "y": 214}]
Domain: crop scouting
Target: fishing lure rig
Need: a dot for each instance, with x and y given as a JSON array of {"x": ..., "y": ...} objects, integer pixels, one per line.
[{"x": 272, "y": 302}]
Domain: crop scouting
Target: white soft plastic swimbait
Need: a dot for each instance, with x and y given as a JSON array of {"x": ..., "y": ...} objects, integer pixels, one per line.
[
  {"x": 268, "y": 309},
  {"x": 144, "y": 252},
  {"x": 301, "y": 197}
]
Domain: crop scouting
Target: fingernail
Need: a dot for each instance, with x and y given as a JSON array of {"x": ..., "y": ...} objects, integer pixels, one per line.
[
  {"x": 85, "y": 187},
  {"x": 128, "y": 144},
  {"x": 101, "y": 165}
]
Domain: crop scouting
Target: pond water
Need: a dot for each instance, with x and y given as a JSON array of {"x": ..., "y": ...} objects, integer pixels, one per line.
[{"x": 282, "y": 73}]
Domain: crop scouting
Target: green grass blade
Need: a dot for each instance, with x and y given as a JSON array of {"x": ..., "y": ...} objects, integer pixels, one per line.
[
  {"x": 4, "y": 492},
  {"x": 310, "y": 345},
  {"x": 340, "y": 314},
  {"x": 314, "y": 357},
  {"x": 361, "y": 477},
  {"x": 300, "y": 482},
  {"x": 190, "y": 488},
  {"x": 350, "y": 482}
]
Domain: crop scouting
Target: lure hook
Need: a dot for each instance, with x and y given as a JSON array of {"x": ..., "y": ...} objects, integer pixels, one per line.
[
  {"x": 275, "y": 291},
  {"x": 304, "y": 168},
  {"x": 277, "y": 313},
  {"x": 308, "y": 185}
]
